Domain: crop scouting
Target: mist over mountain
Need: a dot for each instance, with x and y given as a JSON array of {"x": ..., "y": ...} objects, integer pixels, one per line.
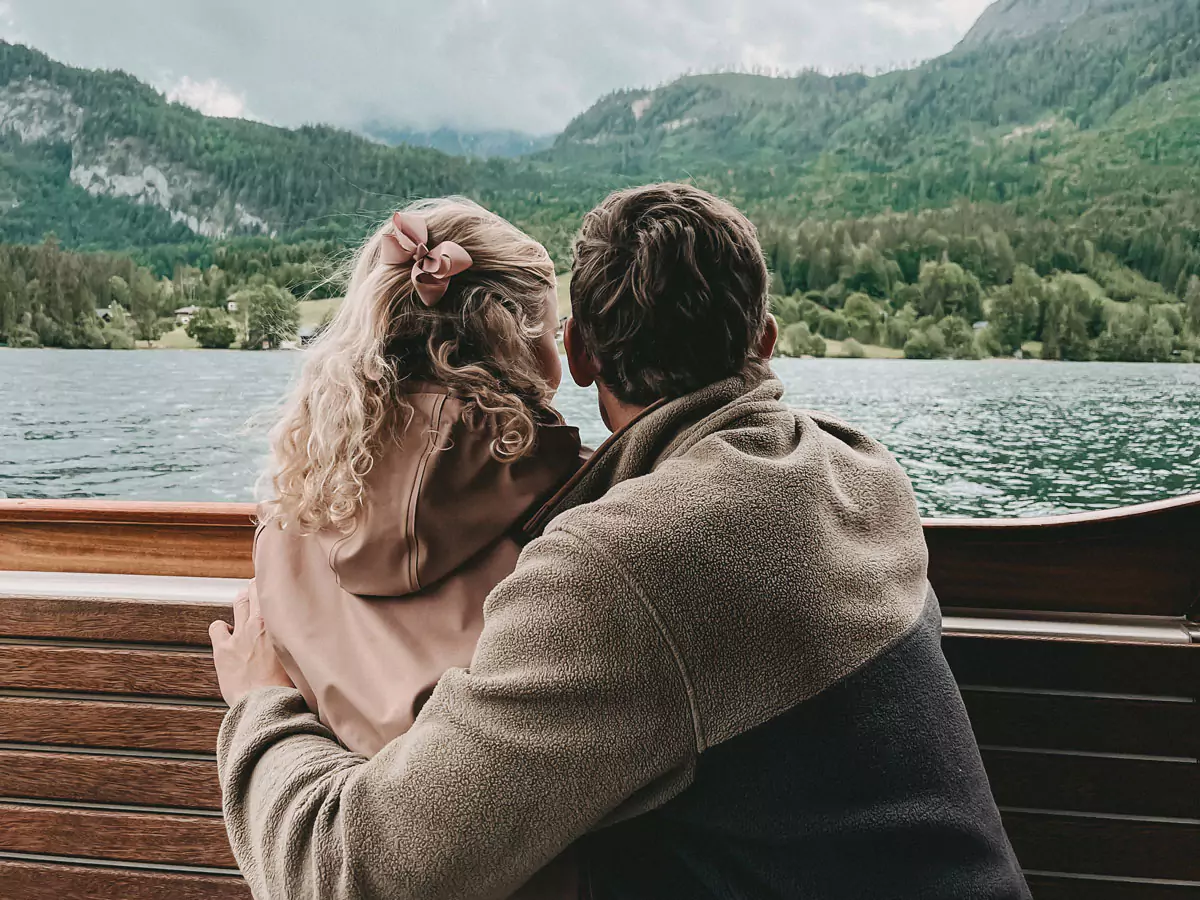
[{"x": 480, "y": 144}]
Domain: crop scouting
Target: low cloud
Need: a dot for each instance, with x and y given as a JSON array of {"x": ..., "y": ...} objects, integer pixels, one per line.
[
  {"x": 935, "y": 18},
  {"x": 474, "y": 64},
  {"x": 210, "y": 97}
]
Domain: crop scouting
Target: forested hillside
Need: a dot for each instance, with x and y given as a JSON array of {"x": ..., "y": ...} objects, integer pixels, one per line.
[
  {"x": 72, "y": 140},
  {"x": 1044, "y": 177}
]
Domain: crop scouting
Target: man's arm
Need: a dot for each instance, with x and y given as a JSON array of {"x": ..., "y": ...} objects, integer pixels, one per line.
[{"x": 574, "y": 702}]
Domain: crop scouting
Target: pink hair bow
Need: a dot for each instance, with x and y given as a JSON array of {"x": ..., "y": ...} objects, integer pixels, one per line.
[{"x": 431, "y": 269}]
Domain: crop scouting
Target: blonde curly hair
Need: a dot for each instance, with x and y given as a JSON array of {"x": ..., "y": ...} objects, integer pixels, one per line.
[{"x": 480, "y": 341}]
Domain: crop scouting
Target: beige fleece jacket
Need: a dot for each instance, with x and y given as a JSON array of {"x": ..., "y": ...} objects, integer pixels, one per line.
[{"x": 717, "y": 562}]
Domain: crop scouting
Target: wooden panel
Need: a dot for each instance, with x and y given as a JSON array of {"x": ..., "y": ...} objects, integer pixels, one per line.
[
  {"x": 133, "y": 621},
  {"x": 127, "y": 780},
  {"x": 202, "y": 539},
  {"x": 1140, "y": 560},
  {"x": 1159, "y": 670},
  {"x": 121, "y": 836},
  {"x": 1098, "y": 784},
  {"x": 1096, "y": 724},
  {"x": 164, "y": 673},
  {"x": 1135, "y": 848},
  {"x": 85, "y": 723},
  {"x": 48, "y": 881},
  {"x": 1051, "y": 887}
]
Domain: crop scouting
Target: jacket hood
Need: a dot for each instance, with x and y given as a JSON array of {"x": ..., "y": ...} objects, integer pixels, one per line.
[{"x": 437, "y": 498}]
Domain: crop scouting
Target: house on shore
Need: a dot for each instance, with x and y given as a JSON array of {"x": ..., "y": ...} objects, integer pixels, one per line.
[{"x": 184, "y": 314}]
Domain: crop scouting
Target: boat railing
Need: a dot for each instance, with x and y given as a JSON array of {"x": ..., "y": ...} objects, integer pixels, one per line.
[{"x": 1075, "y": 641}]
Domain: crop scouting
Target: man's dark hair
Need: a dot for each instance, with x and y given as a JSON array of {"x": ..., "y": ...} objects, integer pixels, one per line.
[{"x": 669, "y": 291}]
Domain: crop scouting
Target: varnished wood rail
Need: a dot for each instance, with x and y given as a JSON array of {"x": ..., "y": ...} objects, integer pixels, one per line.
[
  {"x": 1137, "y": 561},
  {"x": 210, "y": 540}
]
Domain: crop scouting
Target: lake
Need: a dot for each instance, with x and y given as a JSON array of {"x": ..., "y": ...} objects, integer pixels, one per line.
[{"x": 978, "y": 439}]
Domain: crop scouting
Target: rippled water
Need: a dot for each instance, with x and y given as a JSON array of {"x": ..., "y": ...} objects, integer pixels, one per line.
[{"x": 978, "y": 439}]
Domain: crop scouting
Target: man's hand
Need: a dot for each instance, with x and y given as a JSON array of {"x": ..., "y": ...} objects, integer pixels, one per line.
[{"x": 245, "y": 658}]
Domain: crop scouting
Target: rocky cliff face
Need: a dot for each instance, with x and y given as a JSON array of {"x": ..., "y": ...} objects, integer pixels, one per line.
[{"x": 37, "y": 111}]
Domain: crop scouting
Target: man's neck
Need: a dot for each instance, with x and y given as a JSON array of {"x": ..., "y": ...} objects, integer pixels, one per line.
[{"x": 615, "y": 413}]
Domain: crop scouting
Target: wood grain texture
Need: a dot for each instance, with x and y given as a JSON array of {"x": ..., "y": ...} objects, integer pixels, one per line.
[
  {"x": 1086, "y": 666},
  {"x": 1092, "y": 724},
  {"x": 201, "y": 539},
  {"x": 1133, "y": 848},
  {"x": 158, "y": 673},
  {"x": 197, "y": 550},
  {"x": 87, "y": 723},
  {"x": 1051, "y": 887},
  {"x": 50, "y": 881},
  {"x": 132, "y": 621},
  {"x": 1093, "y": 784},
  {"x": 118, "y": 836},
  {"x": 131, "y": 781},
  {"x": 1138, "y": 561}
]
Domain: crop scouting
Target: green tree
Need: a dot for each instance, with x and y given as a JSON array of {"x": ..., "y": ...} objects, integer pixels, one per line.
[
  {"x": 959, "y": 338},
  {"x": 898, "y": 328},
  {"x": 1134, "y": 334},
  {"x": 146, "y": 306},
  {"x": 949, "y": 290},
  {"x": 1015, "y": 310},
  {"x": 24, "y": 334},
  {"x": 926, "y": 342},
  {"x": 1192, "y": 303},
  {"x": 852, "y": 349},
  {"x": 211, "y": 329},
  {"x": 118, "y": 330},
  {"x": 87, "y": 334},
  {"x": 833, "y": 325},
  {"x": 798, "y": 340},
  {"x": 272, "y": 315},
  {"x": 865, "y": 317},
  {"x": 1074, "y": 318}
]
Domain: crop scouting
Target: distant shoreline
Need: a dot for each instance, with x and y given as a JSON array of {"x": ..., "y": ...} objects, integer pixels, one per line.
[{"x": 829, "y": 356}]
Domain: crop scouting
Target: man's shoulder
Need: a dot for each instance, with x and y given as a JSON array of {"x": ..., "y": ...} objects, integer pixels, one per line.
[
  {"x": 755, "y": 547},
  {"x": 763, "y": 481},
  {"x": 651, "y": 508}
]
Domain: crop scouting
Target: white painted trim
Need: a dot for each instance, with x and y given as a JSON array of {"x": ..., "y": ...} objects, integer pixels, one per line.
[
  {"x": 78, "y": 585},
  {"x": 177, "y": 589},
  {"x": 1148, "y": 630}
]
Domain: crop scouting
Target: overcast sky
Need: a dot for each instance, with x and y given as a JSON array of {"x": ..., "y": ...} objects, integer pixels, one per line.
[{"x": 529, "y": 65}]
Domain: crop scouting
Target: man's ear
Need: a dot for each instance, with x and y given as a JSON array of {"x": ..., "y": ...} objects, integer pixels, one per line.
[
  {"x": 584, "y": 368},
  {"x": 770, "y": 335}
]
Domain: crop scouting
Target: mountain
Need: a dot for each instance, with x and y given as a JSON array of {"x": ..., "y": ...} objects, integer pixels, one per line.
[
  {"x": 736, "y": 129},
  {"x": 105, "y": 161},
  {"x": 1045, "y": 173},
  {"x": 481, "y": 144},
  {"x": 104, "y": 135},
  {"x": 1021, "y": 19}
]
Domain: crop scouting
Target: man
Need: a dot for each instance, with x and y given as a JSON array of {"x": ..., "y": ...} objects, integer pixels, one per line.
[{"x": 716, "y": 670}]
